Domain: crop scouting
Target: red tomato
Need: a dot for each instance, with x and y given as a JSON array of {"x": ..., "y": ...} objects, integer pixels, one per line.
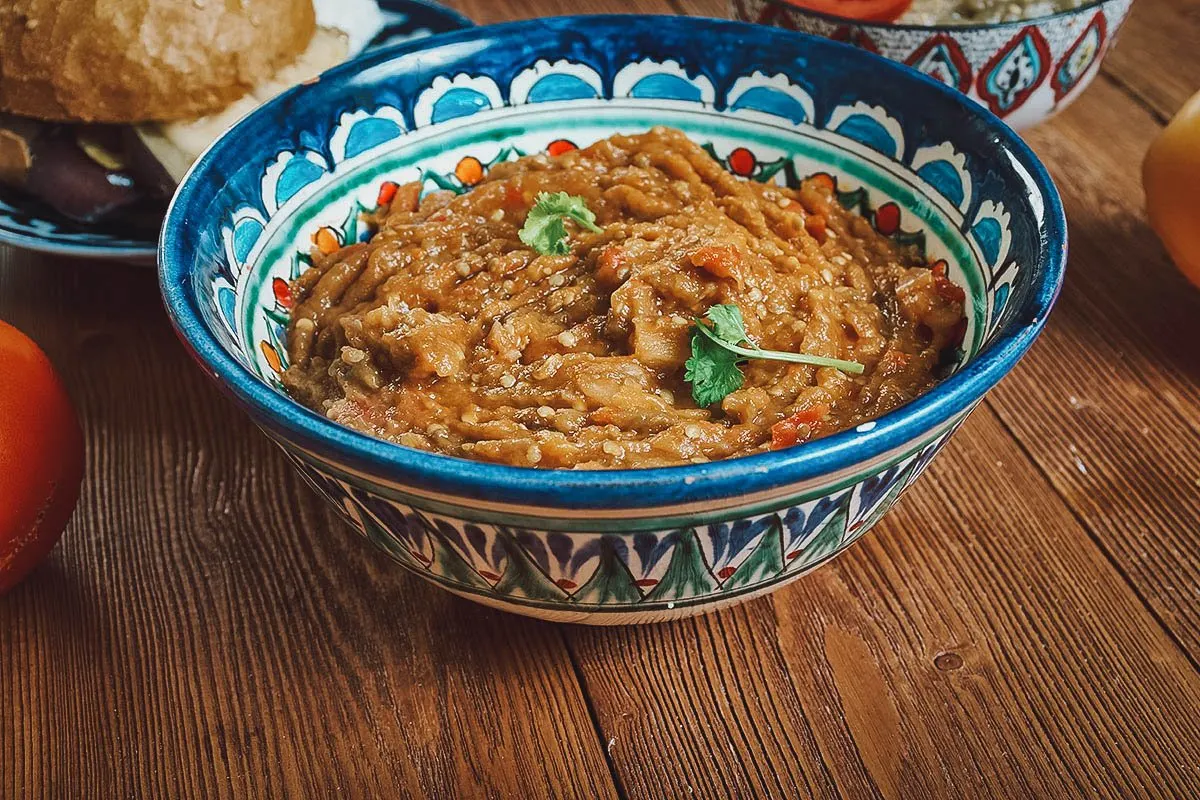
[
  {"x": 41, "y": 456},
  {"x": 863, "y": 10},
  {"x": 798, "y": 428}
]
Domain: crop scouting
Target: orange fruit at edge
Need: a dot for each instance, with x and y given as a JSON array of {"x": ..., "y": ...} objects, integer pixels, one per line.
[{"x": 1171, "y": 178}]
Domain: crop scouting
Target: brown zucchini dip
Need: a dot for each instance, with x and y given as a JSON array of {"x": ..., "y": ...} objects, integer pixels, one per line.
[{"x": 447, "y": 332}]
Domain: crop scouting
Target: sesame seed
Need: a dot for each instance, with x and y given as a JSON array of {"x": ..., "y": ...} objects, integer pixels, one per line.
[
  {"x": 508, "y": 286},
  {"x": 755, "y": 295},
  {"x": 545, "y": 412},
  {"x": 470, "y": 416},
  {"x": 463, "y": 269},
  {"x": 827, "y": 274},
  {"x": 613, "y": 449},
  {"x": 762, "y": 309},
  {"x": 533, "y": 454},
  {"x": 508, "y": 381},
  {"x": 693, "y": 432},
  {"x": 497, "y": 215},
  {"x": 557, "y": 280},
  {"x": 568, "y": 339},
  {"x": 352, "y": 355},
  {"x": 549, "y": 366},
  {"x": 783, "y": 202},
  {"x": 699, "y": 460}
]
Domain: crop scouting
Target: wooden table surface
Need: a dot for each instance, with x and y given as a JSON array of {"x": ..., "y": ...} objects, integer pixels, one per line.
[{"x": 1026, "y": 623}]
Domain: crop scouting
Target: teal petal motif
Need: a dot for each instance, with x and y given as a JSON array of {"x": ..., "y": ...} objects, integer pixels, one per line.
[
  {"x": 521, "y": 577},
  {"x": 611, "y": 583},
  {"x": 764, "y": 563},
  {"x": 827, "y": 541},
  {"x": 687, "y": 575}
]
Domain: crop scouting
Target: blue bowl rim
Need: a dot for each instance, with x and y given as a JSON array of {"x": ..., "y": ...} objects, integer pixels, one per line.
[
  {"x": 624, "y": 488},
  {"x": 942, "y": 28}
]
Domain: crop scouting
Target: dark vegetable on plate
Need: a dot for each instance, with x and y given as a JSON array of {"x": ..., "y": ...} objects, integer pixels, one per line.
[{"x": 107, "y": 106}]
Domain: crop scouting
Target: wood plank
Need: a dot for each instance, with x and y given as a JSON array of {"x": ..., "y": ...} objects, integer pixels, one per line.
[
  {"x": 976, "y": 644},
  {"x": 702, "y": 708},
  {"x": 486, "y": 12},
  {"x": 705, "y": 8},
  {"x": 207, "y": 628},
  {"x": 1156, "y": 57},
  {"x": 1108, "y": 403}
]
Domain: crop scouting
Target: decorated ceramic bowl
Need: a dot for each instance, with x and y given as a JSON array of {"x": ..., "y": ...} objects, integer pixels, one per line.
[
  {"x": 919, "y": 161},
  {"x": 27, "y": 223},
  {"x": 1023, "y": 71}
]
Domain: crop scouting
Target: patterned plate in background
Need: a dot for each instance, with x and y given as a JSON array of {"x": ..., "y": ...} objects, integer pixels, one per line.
[{"x": 29, "y": 224}]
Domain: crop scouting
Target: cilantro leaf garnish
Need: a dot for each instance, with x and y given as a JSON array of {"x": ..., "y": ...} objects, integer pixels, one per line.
[
  {"x": 545, "y": 230},
  {"x": 717, "y": 350},
  {"x": 712, "y": 370},
  {"x": 727, "y": 323}
]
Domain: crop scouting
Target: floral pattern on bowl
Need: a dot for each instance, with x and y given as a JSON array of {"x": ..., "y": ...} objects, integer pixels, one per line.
[
  {"x": 1022, "y": 71},
  {"x": 610, "y": 546}
]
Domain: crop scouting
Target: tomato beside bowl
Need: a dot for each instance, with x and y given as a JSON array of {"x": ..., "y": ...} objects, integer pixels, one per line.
[{"x": 41, "y": 456}]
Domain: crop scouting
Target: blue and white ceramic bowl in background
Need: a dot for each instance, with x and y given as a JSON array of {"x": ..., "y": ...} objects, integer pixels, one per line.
[
  {"x": 918, "y": 160},
  {"x": 1023, "y": 71},
  {"x": 27, "y": 223}
]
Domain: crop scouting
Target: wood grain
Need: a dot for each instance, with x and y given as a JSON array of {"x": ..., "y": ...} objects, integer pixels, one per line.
[
  {"x": 208, "y": 629},
  {"x": 976, "y": 645},
  {"x": 1115, "y": 382},
  {"x": 702, "y": 708},
  {"x": 1023, "y": 625},
  {"x": 705, "y": 8},
  {"x": 1155, "y": 58},
  {"x": 485, "y": 12}
]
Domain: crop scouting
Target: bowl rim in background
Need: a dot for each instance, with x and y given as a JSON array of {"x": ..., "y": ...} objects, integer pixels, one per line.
[
  {"x": 624, "y": 489},
  {"x": 940, "y": 28}
]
